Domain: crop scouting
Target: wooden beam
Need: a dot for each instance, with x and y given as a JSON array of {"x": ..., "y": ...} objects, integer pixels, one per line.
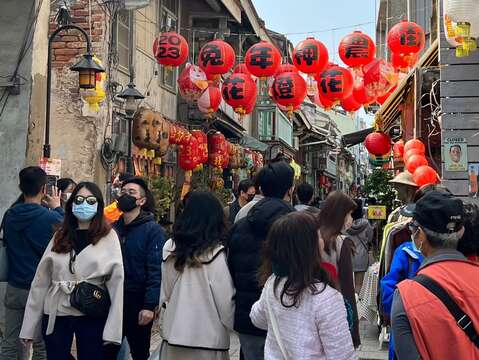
[
  {"x": 460, "y": 89},
  {"x": 460, "y": 72},
  {"x": 458, "y": 105},
  {"x": 460, "y": 121}
]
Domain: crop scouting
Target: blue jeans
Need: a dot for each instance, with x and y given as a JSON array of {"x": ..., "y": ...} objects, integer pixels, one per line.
[
  {"x": 252, "y": 346},
  {"x": 124, "y": 353}
]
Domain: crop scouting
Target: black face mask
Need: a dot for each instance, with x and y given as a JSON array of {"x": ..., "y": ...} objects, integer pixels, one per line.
[
  {"x": 250, "y": 197},
  {"x": 126, "y": 202}
]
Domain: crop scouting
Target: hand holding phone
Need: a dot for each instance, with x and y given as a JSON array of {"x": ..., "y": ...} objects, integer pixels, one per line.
[{"x": 52, "y": 200}]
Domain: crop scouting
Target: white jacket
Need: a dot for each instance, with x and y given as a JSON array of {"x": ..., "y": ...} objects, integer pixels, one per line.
[{"x": 100, "y": 264}]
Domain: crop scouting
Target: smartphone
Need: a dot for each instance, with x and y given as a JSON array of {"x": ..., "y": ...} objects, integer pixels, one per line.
[{"x": 51, "y": 182}]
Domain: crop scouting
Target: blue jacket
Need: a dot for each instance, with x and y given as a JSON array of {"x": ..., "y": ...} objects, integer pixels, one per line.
[
  {"x": 405, "y": 264},
  {"x": 28, "y": 229},
  {"x": 142, "y": 244}
]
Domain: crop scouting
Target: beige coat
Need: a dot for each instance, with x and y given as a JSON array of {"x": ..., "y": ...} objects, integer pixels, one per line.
[
  {"x": 100, "y": 264},
  {"x": 199, "y": 304}
]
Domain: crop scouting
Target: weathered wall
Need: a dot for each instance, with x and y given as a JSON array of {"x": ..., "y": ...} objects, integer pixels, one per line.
[{"x": 14, "y": 119}]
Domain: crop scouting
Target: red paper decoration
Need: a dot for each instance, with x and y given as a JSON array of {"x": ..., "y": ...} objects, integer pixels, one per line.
[
  {"x": 210, "y": 100},
  {"x": 310, "y": 56},
  {"x": 378, "y": 143},
  {"x": 415, "y": 144},
  {"x": 398, "y": 150},
  {"x": 379, "y": 78},
  {"x": 406, "y": 38},
  {"x": 202, "y": 145},
  {"x": 403, "y": 63},
  {"x": 350, "y": 104},
  {"x": 335, "y": 83},
  {"x": 188, "y": 154},
  {"x": 357, "y": 49},
  {"x": 192, "y": 82},
  {"x": 216, "y": 57},
  {"x": 171, "y": 49},
  {"x": 218, "y": 151},
  {"x": 382, "y": 99},
  {"x": 425, "y": 175},
  {"x": 360, "y": 94},
  {"x": 263, "y": 59},
  {"x": 414, "y": 162},
  {"x": 289, "y": 90},
  {"x": 238, "y": 91}
]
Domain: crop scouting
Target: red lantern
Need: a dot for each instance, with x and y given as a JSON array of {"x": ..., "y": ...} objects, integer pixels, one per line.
[
  {"x": 179, "y": 135},
  {"x": 415, "y": 161},
  {"x": 210, "y": 100},
  {"x": 216, "y": 57},
  {"x": 357, "y": 49},
  {"x": 360, "y": 94},
  {"x": 171, "y": 49},
  {"x": 250, "y": 107},
  {"x": 406, "y": 38},
  {"x": 289, "y": 90},
  {"x": 410, "y": 153},
  {"x": 241, "y": 68},
  {"x": 398, "y": 149},
  {"x": 415, "y": 144},
  {"x": 403, "y": 63},
  {"x": 335, "y": 83},
  {"x": 425, "y": 175},
  {"x": 310, "y": 56},
  {"x": 286, "y": 68},
  {"x": 324, "y": 102},
  {"x": 350, "y": 104},
  {"x": 202, "y": 146},
  {"x": 382, "y": 99},
  {"x": 188, "y": 154},
  {"x": 379, "y": 78},
  {"x": 263, "y": 59},
  {"x": 378, "y": 143},
  {"x": 238, "y": 91},
  {"x": 218, "y": 151},
  {"x": 192, "y": 82}
]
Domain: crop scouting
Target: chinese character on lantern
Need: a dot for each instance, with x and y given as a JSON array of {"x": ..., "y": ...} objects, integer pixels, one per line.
[
  {"x": 359, "y": 48},
  {"x": 261, "y": 56},
  {"x": 411, "y": 37},
  {"x": 284, "y": 88},
  {"x": 234, "y": 89},
  {"x": 308, "y": 54},
  {"x": 211, "y": 55}
]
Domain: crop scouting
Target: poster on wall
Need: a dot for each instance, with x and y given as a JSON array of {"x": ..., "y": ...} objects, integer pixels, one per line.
[
  {"x": 473, "y": 177},
  {"x": 455, "y": 153},
  {"x": 377, "y": 212}
]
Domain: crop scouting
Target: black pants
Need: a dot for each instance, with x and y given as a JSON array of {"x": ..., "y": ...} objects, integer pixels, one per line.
[
  {"x": 138, "y": 336},
  {"x": 88, "y": 333}
]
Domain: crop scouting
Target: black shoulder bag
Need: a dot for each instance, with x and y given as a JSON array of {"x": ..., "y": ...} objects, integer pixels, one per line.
[
  {"x": 462, "y": 319},
  {"x": 88, "y": 298}
]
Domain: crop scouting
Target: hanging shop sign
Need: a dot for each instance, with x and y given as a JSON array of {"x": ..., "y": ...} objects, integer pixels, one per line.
[
  {"x": 377, "y": 212},
  {"x": 455, "y": 153}
]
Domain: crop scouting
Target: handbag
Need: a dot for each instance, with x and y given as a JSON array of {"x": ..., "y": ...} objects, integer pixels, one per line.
[
  {"x": 274, "y": 324},
  {"x": 3, "y": 254},
  {"x": 462, "y": 319},
  {"x": 89, "y": 298}
]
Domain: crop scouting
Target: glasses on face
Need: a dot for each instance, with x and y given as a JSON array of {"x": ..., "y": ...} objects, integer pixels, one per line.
[{"x": 90, "y": 200}]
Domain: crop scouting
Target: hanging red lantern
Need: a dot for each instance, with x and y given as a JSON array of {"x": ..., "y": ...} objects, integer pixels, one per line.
[
  {"x": 188, "y": 154},
  {"x": 286, "y": 68},
  {"x": 425, "y": 175},
  {"x": 202, "y": 145},
  {"x": 410, "y": 153},
  {"x": 179, "y": 135},
  {"x": 218, "y": 151},
  {"x": 171, "y": 49},
  {"x": 238, "y": 91},
  {"x": 263, "y": 59},
  {"x": 350, "y": 104},
  {"x": 250, "y": 107},
  {"x": 415, "y": 144},
  {"x": 360, "y": 94},
  {"x": 398, "y": 150},
  {"x": 382, "y": 99},
  {"x": 357, "y": 49},
  {"x": 324, "y": 102},
  {"x": 406, "y": 38},
  {"x": 403, "y": 63},
  {"x": 241, "y": 68},
  {"x": 210, "y": 100},
  {"x": 415, "y": 161},
  {"x": 310, "y": 56},
  {"x": 216, "y": 58},
  {"x": 378, "y": 143},
  {"x": 289, "y": 90},
  {"x": 192, "y": 82},
  {"x": 379, "y": 78},
  {"x": 335, "y": 83}
]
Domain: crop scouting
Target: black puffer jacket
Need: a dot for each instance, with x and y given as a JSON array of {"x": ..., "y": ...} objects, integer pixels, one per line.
[{"x": 244, "y": 258}]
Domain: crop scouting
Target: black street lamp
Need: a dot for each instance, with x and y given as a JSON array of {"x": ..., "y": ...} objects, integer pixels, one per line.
[
  {"x": 87, "y": 69},
  {"x": 130, "y": 95}
]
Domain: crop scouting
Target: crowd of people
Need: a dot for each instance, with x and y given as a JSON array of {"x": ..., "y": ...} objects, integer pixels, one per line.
[{"x": 280, "y": 272}]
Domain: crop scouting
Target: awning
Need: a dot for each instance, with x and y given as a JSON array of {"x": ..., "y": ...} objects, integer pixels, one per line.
[
  {"x": 229, "y": 128},
  {"x": 389, "y": 112},
  {"x": 356, "y": 137},
  {"x": 253, "y": 143}
]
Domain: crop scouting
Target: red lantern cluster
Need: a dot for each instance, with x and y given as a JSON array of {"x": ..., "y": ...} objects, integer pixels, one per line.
[
  {"x": 378, "y": 143},
  {"x": 310, "y": 56},
  {"x": 218, "y": 156},
  {"x": 171, "y": 49},
  {"x": 216, "y": 58},
  {"x": 239, "y": 91},
  {"x": 289, "y": 89},
  {"x": 425, "y": 175},
  {"x": 189, "y": 155},
  {"x": 357, "y": 49},
  {"x": 263, "y": 59},
  {"x": 202, "y": 145},
  {"x": 178, "y": 135},
  {"x": 335, "y": 83}
]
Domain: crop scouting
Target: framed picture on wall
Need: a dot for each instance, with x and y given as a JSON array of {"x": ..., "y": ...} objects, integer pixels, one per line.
[{"x": 455, "y": 153}]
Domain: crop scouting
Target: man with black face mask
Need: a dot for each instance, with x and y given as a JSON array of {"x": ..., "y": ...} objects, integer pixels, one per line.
[
  {"x": 142, "y": 241},
  {"x": 246, "y": 193}
]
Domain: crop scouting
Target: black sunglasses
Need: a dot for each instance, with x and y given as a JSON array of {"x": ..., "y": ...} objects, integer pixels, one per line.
[{"x": 90, "y": 200}]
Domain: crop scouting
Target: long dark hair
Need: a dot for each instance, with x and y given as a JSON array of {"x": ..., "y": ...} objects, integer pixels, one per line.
[
  {"x": 200, "y": 227},
  {"x": 292, "y": 251},
  {"x": 99, "y": 228},
  {"x": 332, "y": 217}
]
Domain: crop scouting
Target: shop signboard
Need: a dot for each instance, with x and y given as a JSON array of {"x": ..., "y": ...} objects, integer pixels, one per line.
[
  {"x": 455, "y": 153},
  {"x": 377, "y": 212}
]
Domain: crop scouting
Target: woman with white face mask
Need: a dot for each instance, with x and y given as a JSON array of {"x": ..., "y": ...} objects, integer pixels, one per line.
[
  {"x": 334, "y": 219},
  {"x": 65, "y": 187},
  {"x": 78, "y": 287}
]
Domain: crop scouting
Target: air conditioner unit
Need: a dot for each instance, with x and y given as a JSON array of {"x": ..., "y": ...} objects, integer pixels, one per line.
[
  {"x": 134, "y": 4},
  {"x": 120, "y": 143},
  {"x": 296, "y": 142}
]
